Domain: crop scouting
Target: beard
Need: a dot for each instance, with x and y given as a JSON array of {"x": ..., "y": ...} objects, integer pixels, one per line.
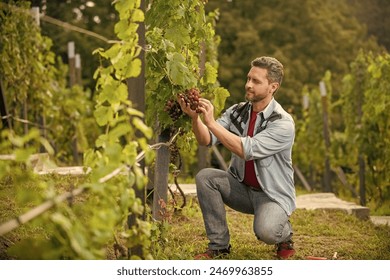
[{"x": 250, "y": 96}]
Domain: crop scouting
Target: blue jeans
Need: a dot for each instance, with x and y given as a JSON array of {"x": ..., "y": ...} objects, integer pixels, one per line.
[{"x": 215, "y": 188}]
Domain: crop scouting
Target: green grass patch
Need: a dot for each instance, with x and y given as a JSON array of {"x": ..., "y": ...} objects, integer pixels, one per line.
[{"x": 317, "y": 233}]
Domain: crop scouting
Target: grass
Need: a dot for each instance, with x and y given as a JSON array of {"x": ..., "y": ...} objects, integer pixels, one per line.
[{"x": 317, "y": 233}]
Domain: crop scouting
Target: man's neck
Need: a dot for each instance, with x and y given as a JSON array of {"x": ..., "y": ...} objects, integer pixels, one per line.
[{"x": 260, "y": 105}]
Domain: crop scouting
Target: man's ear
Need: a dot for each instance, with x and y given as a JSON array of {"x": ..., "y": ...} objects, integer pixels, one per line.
[{"x": 274, "y": 87}]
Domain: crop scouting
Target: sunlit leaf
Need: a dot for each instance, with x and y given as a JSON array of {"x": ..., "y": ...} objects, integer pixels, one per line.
[{"x": 139, "y": 124}]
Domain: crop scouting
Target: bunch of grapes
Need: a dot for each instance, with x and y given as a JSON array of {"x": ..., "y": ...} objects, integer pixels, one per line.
[
  {"x": 191, "y": 97},
  {"x": 174, "y": 154},
  {"x": 173, "y": 109}
]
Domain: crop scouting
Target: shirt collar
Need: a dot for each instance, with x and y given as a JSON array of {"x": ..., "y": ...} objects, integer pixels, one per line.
[{"x": 268, "y": 110}]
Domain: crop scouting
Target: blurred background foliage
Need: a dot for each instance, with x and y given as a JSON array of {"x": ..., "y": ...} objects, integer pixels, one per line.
[{"x": 308, "y": 36}]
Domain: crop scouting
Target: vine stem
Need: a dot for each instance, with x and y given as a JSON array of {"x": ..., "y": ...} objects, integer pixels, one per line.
[
  {"x": 74, "y": 28},
  {"x": 157, "y": 146},
  {"x": 9, "y": 116}
]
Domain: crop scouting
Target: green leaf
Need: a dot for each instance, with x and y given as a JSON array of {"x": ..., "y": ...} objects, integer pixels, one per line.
[
  {"x": 140, "y": 177},
  {"x": 220, "y": 96},
  {"x": 103, "y": 115},
  {"x": 133, "y": 68},
  {"x": 126, "y": 30},
  {"x": 33, "y": 134},
  {"x": 210, "y": 74},
  {"x": 134, "y": 112},
  {"x": 140, "y": 125},
  {"x": 121, "y": 93},
  {"x": 114, "y": 53},
  {"x": 101, "y": 141},
  {"x": 178, "y": 35},
  {"x": 130, "y": 153},
  {"x": 137, "y": 15},
  {"x": 22, "y": 155},
  {"x": 119, "y": 131},
  {"x": 124, "y": 6},
  {"x": 121, "y": 28},
  {"x": 178, "y": 71},
  {"x": 46, "y": 144},
  {"x": 114, "y": 152},
  {"x": 77, "y": 241}
]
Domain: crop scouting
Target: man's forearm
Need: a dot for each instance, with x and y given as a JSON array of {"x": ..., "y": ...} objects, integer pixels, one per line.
[
  {"x": 201, "y": 132},
  {"x": 231, "y": 141}
]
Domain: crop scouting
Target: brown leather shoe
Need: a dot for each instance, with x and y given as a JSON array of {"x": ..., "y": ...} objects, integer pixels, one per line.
[
  {"x": 284, "y": 250},
  {"x": 213, "y": 254}
]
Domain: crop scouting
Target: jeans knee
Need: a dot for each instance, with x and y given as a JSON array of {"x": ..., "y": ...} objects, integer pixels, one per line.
[
  {"x": 200, "y": 176},
  {"x": 207, "y": 172},
  {"x": 204, "y": 176},
  {"x": 201, "y": 179},
  {"x": 267, "y": 235}
]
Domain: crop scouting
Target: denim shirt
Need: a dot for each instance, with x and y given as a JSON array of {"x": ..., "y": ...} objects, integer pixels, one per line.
[{"x": 270, "y": 148}]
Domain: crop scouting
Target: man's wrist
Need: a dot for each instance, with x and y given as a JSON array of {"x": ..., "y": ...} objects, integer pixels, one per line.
[{"x": 211, "y": 125}]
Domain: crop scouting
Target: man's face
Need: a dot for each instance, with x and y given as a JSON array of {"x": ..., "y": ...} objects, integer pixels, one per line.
[{"x": 257, "y": 86}]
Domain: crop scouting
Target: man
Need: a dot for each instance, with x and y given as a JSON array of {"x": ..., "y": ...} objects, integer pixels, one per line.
[{"x": 259, "y": 180}]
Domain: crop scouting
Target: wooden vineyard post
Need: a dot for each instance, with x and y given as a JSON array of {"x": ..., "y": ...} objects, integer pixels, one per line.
[
  {"x": 219, "y": 157},
  {"x": 78, "y": 79},
  {"x": 136, "y": 94},
  {"x": 72, "y": 64},
  {"x": 327, "y": 184},
  {"x": 3, "y": 108},
  {"x": 72, "y": 82},
  {"x": 302, "y": 178},
  {"x": 35, "y": 14},
  {"x": 362, "y": 163},
  {"x": 160, "y": 193}
]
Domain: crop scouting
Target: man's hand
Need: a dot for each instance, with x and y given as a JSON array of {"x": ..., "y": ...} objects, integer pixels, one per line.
[
  {"x": 207, "y": 109},
  {"x": 186, "y": 108}
]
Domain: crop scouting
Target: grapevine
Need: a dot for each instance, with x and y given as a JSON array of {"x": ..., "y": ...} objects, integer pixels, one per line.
[
  {"x": 34, "y": 83},
  {"x": 173, "y": 109},
  {"x": 181, "y": 60},
  {"x": 174, "y": 66},
  {"x": 86, "y": 230},
  {"x": 365, "y": 91},
  {"x": 191, "y": 98}
]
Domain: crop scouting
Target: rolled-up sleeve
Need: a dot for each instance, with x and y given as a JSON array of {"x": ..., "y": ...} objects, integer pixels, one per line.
[{"x": 225, "y": 121}]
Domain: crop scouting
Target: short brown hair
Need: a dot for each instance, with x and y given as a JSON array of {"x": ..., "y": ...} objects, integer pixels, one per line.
[{"x": 274, "y": 68}]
